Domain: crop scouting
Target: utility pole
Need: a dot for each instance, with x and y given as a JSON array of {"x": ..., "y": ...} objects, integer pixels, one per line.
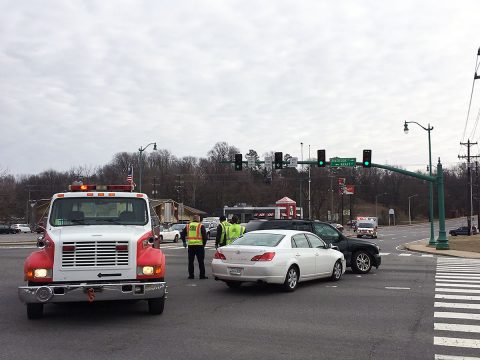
[{"x": 469, "y": 183}]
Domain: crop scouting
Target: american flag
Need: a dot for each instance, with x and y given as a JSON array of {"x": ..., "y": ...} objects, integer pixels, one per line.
[{"x": 130, "y": 175}]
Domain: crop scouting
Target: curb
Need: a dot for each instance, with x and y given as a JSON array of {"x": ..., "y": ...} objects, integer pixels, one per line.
[{"x": 421, "y": 247}]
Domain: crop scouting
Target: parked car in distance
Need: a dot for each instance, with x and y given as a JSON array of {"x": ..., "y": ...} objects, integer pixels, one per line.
[
  {"x": 284, "y": 257},
  {"x": 21, "y": 228},
  {"x": 172, "y": 233},
  {"x": 361, "y": 255},
  {"x": 7, "y": 229},
  {"x": 40, "y": 226},
  {"x": 211, "y": 228},
  {"x": 463, "y": 230}
]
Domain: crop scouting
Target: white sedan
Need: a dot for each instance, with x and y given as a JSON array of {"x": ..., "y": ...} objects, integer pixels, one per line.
[
  {"x": 172, "y": 233},
  {"x": 284, "y": 257}
]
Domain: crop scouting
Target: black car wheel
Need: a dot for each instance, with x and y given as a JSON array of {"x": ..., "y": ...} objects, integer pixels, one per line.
[
  {"x": 361, "y": 262},
  {"x": 291, "y": 279},
  {"x": 176, "y": 239},
  {"x": 337, "y": 271}
]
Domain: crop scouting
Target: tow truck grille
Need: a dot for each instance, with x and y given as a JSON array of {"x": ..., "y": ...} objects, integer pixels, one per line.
[{"x": 95, "y": 254}]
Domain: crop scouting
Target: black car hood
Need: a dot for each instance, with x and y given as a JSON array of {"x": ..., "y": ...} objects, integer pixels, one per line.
[{"x": 355, "y": 241}]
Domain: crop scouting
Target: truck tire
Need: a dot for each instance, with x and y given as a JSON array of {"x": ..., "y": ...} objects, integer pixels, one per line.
[
  {"x": 155, "y": 306},
  {"x": 34, "y": 311},
  {"x": 361, "y": 262}
]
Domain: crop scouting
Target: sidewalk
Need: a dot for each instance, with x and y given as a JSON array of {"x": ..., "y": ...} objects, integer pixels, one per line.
[{"x": 422, "y": 246}]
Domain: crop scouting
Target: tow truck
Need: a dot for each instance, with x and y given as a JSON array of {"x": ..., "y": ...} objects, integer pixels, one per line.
[{"x": 97, "y": 245}]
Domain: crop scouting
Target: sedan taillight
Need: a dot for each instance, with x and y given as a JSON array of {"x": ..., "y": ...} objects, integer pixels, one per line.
[
  {"x": 268, "y": 256},
  {"x": 219, "y": 255}
]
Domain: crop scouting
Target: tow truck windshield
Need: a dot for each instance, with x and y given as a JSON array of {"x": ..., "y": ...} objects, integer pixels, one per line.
[{"x": 99, "y": 211}]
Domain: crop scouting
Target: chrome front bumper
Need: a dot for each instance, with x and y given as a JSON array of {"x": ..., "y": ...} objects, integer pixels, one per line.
[{"x": 91, "y": 292}]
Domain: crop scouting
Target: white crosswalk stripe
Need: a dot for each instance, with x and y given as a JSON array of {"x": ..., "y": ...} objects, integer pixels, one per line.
[{"x": 457, "y": 309}]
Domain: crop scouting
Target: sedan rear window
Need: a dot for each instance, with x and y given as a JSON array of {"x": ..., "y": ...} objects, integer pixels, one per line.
[{"x": 259, "y": 239}]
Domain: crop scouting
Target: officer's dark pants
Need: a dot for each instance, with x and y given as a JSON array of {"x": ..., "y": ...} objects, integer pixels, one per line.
[{"x": 199, "y": 252}]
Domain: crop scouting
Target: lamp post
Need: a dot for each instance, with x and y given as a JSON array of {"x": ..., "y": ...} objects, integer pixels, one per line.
[
  {"x": 141, "y": 150},
  {"x": 376, "y": 200},
  {"x": 409, "y": 213},
  {"x": 430, "y": 184}
]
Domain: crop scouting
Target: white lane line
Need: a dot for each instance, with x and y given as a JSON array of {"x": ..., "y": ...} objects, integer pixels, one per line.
[
  {"x": 468, "y": 291},
  {"x": 458, "y": 280},
  {"x": 457, "y": 297},
  {"x": 456, "y": 342},
  {"x": 456, "y": 305},
  {"x": 405, "y": 255},
  {"x": 458, "y": 285},
  {"x": 455, "y": 315},
  {"x": 460, "y": 276},
  {"x": 428, "y": 255},
  {"x": 456, "y": 327},
  {"x": 383, "y": 254},
  {"x": 454, "y": 274},
  {"x": 456, "y": 270},
  {"x": 451, "y": 357},
  {"x": 396, "y": 288}
]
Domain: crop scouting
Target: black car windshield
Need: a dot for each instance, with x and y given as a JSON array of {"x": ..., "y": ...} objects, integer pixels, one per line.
[
  {"x": 99, "y": 211},
  {"x": 366, "y": 225},
  {"x": 259, "y": 239}
]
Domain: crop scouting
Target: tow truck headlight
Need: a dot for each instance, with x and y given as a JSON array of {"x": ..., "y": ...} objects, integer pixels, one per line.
[
  {"x": 40, "y": 273},
  {"x": 149, "y": 270}
]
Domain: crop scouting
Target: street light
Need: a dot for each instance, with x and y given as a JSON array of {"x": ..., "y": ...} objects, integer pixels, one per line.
[
  {"x": 409, "y": 213},
  {"x": 376, "y": 200},
  {"x": 430, "y": 184},
  {"x": 141, "y": 150}
]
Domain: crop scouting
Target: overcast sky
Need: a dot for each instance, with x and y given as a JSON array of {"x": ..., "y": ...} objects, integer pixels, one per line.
[{"x": 83, "y": 80}]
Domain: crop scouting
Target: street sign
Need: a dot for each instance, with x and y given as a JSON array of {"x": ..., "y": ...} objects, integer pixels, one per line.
[
  {"x": 268, "y": 162},
  {"x": 339, "y": 162},
  {"x": 293, "y": 162}
]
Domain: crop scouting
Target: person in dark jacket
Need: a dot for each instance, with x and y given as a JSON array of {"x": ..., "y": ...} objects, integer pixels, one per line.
[{"x": 195, "y": 236}]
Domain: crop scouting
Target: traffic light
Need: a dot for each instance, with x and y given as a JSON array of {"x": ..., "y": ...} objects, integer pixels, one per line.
[
  {"x": 321, "y": 161},
  {"x": 278, "y": 160},
  {"x": 238, "y": 162},
  {"x": 367, "y": 158}
]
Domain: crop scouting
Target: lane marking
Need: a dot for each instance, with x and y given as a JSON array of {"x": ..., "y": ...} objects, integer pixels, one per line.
[
  {"x": 455, "y": 315},
  {"x": 459, "y": 281},
  {"x": 456, "y": 342},
  {"x": 396, "y": 288},
  {"x": 427, "y": 255},
  {"x": 466, "y": 276},
  {"x": 458, "y": 285},
  {"x": 383, "y": 254},
  {"x": 457, "y": 297},
  {"x": 459, "y": 276},
  {"x": 469, "y": 291},
  {"x": 456, "y": 305},
  {"x": 456, "y": 327},
  {"x": 404, "y": 254},
  {"x": 451, "y": 357}
]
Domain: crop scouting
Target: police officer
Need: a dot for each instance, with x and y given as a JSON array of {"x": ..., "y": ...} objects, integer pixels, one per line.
[
  {"x": 235, "y": 230},
  {"x": 221, "y": 238},
  {"x": 195, "y": 235}
]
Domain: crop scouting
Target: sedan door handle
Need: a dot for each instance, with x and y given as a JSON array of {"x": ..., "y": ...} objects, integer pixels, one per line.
[{"x": 297, "y": 255}]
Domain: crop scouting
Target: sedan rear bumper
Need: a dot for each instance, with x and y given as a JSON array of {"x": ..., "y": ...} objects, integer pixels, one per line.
[
  {"x": 91, "y": 292},
  {"x": 250, "y": 273}
]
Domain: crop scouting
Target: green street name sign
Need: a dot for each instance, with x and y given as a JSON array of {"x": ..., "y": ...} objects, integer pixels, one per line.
[{"x": 338, "y": 162}]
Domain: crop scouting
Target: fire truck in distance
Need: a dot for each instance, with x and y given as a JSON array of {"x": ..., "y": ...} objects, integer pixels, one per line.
[{"x": 97, "y": 246}]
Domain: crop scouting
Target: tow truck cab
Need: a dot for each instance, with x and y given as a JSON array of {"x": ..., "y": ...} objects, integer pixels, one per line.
[{"x": 97, "y": 245}]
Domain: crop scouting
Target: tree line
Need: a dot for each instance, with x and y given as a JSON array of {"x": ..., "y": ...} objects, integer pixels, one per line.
[{"x": 209, "y": 184}]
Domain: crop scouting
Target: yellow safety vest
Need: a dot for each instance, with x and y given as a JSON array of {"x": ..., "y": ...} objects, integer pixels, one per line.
[
  {"x": 194, "y": 234},
  {"x": 225, "y": 225},
  {"x": 234, "y": 231}
]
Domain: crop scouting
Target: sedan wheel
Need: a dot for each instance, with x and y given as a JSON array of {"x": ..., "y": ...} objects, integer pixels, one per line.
[
  {"x": 291, "y": 280},
  {"x": 361, "y": 262},
  {"x": 176, "y": 238},
  {"x": 337, "y": 271}
]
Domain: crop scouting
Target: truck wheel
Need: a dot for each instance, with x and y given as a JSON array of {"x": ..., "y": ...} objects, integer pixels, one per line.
[
  {"x": 361, "y": 262},
  {"x": 34, "y": 311},
  {"x": 155, "y": 306}
]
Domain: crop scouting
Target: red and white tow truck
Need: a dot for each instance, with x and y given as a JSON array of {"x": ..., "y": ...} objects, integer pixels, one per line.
[{"x": 97, "y": 246}]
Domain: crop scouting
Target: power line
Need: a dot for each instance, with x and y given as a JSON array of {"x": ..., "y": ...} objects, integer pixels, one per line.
[{"x": 475, "y": 77}]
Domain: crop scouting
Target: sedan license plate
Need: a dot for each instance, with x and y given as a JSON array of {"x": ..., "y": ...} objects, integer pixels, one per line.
[{"x": 235, "y": 271}]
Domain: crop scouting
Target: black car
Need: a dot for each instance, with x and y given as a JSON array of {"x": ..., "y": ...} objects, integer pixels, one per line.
[
  {"x": 462, "y": 230},
  {"x": 6, "y": 229},
  {"x": 360, "y": 255}
]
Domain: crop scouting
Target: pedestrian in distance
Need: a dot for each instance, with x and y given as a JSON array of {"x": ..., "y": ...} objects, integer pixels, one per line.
[
  {"x": 235, "y": 230},
  {"x": 195, "y": 236},
  {"x": 221, "y": 238}
]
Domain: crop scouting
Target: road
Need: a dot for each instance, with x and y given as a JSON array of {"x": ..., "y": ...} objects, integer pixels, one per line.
[{"x": 387, "y": 314}]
